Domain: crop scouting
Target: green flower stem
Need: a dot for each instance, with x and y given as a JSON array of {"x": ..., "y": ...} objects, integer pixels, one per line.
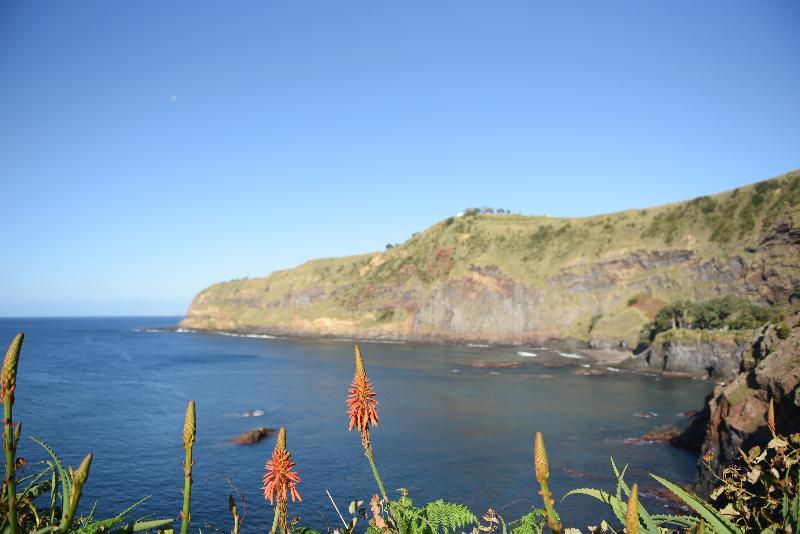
[
  {"x": 8, "y": 445},
  {"x": 187, "y": 490},
  {"x": 371, "y": 458},
  {"x": 275, "y": 520},
  {"x": 279, "y": 520},
  {"x": 8, "y": 380},
  {"x": 554, "y": 525}
]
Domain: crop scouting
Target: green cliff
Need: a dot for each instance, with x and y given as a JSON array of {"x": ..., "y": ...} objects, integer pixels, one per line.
[{"x": 516, "y": 279}]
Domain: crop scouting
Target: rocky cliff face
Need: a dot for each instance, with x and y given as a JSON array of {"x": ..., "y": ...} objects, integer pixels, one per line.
[
  {"x": 735, "y": 415},
  {"x": 513, "y": 279},
  {"x": 708, "y": 355}
]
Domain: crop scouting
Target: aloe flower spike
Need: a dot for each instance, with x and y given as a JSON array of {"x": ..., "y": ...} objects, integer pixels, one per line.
[
  {"x": 542, "y": 471},
  {"x": 280, "y": 481},
  {"x": 771, "y": 417},
  {"x": 79, "y": 477},
  {"x": 189, "y": 434},
  {"x": 363, "y": 411},
  {"x": 8, "y": 383},
  {"x": 632, "y": 516}
]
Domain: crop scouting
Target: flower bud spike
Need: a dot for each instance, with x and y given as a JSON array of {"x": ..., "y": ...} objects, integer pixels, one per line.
[
  {"x": 540, "y": 458},
  {"x": 8, "y": 380},
  {"x": 8, "y": 383},
  {"x": 280, "y": 442},
  {"x": 632, "y": 516},
  {"x": 189, "y": 426},
  {"x": 79, "y": 477},
  {"x": 360, "y": 371},
  {"x": 771, "y": 417},
  {"x": 189, "y": 436}
]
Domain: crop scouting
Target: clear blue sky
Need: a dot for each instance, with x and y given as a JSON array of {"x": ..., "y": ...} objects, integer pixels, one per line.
[{"x": 150, "y": 148}]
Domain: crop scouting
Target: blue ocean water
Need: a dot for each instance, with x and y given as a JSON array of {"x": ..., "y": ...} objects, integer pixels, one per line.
[{"x": 447, "y": 430}]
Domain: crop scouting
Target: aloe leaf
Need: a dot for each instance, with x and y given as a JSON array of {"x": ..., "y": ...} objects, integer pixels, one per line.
[
  {"x": 715, "y": 520},
  {"x": 619, "y": 479},
  {"x": 32, "y": 492},
  {"x": 66, "y": 483},
  {"x": 683, "y": 521},
  {"x": 140, "y": 526},
  {"x": 619, "y": 507},
  {"x": 644, "y": 515}
]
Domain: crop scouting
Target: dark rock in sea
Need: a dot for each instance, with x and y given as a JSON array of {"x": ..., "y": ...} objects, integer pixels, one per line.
[
  {"x": 735, "y": 415},
  {"x": 661, "y": 434},
  {"x": 251, "y": 437}
]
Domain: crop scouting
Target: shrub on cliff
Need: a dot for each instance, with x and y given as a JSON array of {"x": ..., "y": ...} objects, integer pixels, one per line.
[{"x": 723, "y": 313}]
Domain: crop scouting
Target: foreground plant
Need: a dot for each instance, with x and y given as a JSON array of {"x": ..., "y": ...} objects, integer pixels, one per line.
[
  {"x": 8, "y": 384},
  {"x": 363, "y": 411},
  {"x": 189, "y": 435},
  {"x": 279, "y": 482},
  {"x": 762, "y": 491},
  {"x": 542, "y": 474},
  {"x": 79, "y": 477},
  {"x": 48, "y": 481}
]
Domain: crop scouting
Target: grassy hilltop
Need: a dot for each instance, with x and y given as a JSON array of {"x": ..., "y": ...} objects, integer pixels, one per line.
[{"x": 518, "y": 279}]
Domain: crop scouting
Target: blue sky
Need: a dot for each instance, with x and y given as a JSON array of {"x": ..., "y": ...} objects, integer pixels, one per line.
[{"x": 150, "y": 148}]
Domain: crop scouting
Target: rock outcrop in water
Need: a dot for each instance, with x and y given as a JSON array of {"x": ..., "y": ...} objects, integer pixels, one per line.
[
  {"x": 735, "y": 415},
  {"x": 513, "y": 279},
  {"x": 707, "y": 354}
]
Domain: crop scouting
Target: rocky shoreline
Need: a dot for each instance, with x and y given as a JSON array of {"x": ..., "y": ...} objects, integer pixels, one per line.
[
  {"x": 734, "y": 416},
  {"x": 622, "y": 359},
  {"x": 748, "y": 375}
]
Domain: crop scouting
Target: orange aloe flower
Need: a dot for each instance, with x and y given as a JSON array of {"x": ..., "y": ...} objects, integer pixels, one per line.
[
  {"x": 361, "y": 404},
  {"x": 280, "y": 479}
]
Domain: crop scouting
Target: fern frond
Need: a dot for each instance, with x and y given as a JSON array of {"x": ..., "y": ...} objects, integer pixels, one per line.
[{"x": 448, "y": 516}]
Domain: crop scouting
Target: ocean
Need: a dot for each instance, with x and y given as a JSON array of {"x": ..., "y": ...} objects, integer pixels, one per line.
[{"x": 118, "y": 387}]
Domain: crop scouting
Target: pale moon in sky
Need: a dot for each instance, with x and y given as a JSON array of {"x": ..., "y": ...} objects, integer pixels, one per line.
[{"x": 173, "y": 98}]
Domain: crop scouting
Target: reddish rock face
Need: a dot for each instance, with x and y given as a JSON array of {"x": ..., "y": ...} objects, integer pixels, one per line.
[{"x": 735, "y": 415}]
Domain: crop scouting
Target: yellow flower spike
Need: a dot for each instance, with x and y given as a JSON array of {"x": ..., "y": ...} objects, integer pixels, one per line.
[
  {"x": 189, "y": 435},
  {"x": 771, "y": 417},
  {"x": 360, "y": 371},
  {"x": 280, "y": 443},
  {"x": 542, "y": 474},
  {"x": 8, "y": 381},
  {"x": 632, "y": 517},
  {"x": 540, "y": 458},
  {"x": 189, "y": 426}
]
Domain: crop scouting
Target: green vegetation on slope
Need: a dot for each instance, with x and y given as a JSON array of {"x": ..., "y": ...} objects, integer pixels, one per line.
[
  {"x": 723, "y": 313},
  {"x": 511, "y": 279}
]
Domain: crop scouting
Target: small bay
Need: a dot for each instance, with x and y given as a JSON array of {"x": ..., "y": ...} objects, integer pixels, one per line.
[{"x": 118, "y": 387}]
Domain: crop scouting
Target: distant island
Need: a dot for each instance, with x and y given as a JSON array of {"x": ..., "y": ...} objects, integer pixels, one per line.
[{"x": 501, "y": 278}]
